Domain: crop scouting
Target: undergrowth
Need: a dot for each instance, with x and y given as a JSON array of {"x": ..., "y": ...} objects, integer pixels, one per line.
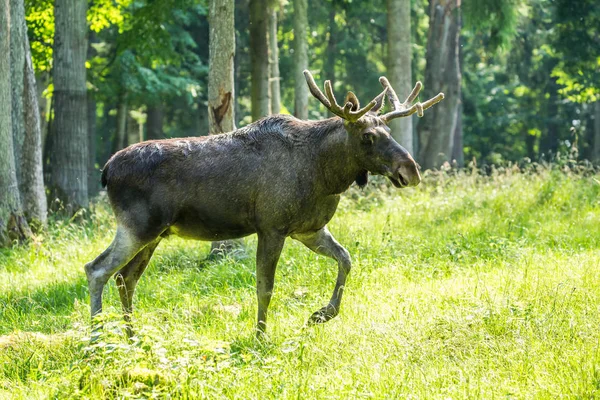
[{"x": 472, "y": 285}]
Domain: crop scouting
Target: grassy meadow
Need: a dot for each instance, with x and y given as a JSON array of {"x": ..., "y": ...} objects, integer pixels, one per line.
[{"x": 467, "y": 286}]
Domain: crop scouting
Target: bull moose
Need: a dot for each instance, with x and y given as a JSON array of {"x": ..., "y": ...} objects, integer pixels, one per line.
[{"x": 277, "y": 177}]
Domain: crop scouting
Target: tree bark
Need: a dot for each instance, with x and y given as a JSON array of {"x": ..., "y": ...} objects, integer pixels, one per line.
[
  {"x": 220, "y": 74},
  {"x": 70, "y": 138},
  {"x": 259, "y": 59},
  {"x": 33, "y": 193},
  {"x": 41, "y": 83},
  {"x": 457, "y": 149},
  {"x": 17, "y": 62},
  {"x": 300, "y": 58},
  {"x": 274, "y": 63},
  {"x": 12, "y": 223},
  {"x": 596, "y": 154},
  {"x": 442, "y": 74},
  {"x": 154, "y": 124},
  {"x": 93, "y": 175},
  {"x": 399, "y": 65}
]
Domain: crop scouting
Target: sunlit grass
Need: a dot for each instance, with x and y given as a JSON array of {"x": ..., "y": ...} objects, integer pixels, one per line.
[{"x": 467, "y": 286}]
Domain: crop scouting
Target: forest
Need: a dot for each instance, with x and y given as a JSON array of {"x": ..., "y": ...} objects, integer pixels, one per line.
[{"x": 480, "y": 282}]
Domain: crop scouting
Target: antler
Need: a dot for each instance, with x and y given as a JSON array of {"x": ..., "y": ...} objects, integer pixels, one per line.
[
  {"x": 405, "y": 109},
  {"x": 351, "y": 111}
]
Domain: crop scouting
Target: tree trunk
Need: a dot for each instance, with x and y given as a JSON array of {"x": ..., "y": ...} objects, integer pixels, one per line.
[
  {"x": 549, "y": 140},
  {"x": 17, "y": 62},
  {"x": 458, "y": 155},
  {"x": 442, "y": 74},
  {"x": 274, "y": 63},
  {"x": 220, "y": 73},
  {"x": 399, "y": 65},
  {"x": 120, "y": 133},
  {"x": 329, "y": 68},
  {"x": 70, "y": 138},
  {"x": 259, "y": 56},
  {"x": 300, "y": 59},
  {"x": 93, "y": 175},
  {"x": 133, "y": 132},
  {"x": 596, "y": 153},
  {"x": 42, "y": 80},
  {"x": 221, "y": 91},
  {"x": 33, "y": 193},
  {"x": 154, "y": 124},
  {"x": 12, "y": 223}
]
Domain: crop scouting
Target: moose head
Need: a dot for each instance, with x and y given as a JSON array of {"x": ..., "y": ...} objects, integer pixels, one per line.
[{"x": 375, "y": 148}]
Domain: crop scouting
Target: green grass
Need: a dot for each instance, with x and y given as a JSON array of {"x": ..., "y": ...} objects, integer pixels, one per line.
[{"x": 465, "y": 287}]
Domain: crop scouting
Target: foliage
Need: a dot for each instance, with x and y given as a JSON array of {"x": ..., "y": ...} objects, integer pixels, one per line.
[
  {"x": 528, "y": 67},
  {"x": 576, "y": 41},
  {"x": 497, "y": 19},
  {"x": 460, "y": 288}
]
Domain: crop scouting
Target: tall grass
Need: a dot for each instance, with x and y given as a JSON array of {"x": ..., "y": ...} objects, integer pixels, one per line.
[{"x": 468, "y": 286}]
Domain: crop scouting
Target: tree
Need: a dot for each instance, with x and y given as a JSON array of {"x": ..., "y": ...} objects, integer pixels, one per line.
[
  {"x": 300, "y": 59},
  {"x": 17, "y": 62},
  {"x": 259, "y": 54},
  {"x": 26, "y": 127},
  {"x": 442, "y": 74},
  {"x": 12, "y": 223},
  {"x": 33, "y": 193},
  {"x": 274, "y": 61},
  {"x": 220, "y": 74},
  {"x": 399, "y": 64},
  {"x": 68, "y": 180},
  {"x": 221, "y": 91}
]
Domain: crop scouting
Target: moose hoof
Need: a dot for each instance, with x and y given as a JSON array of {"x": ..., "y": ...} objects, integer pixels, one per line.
[{"x": 323, "y": 315}]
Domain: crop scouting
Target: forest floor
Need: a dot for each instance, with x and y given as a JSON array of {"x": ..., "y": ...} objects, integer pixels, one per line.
[{"x": 464, "y": 287}]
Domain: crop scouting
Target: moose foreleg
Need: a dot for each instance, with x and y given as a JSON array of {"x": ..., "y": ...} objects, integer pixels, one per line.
[
  {"x": 322, "y": 242},
  {"x": 267, "y": 256}
]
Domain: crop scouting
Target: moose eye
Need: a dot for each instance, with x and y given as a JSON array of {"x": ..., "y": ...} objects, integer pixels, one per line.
[{"x": 368, "y": 137}]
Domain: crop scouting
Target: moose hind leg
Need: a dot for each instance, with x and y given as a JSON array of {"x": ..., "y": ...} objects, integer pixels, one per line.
[
  {"x": 122, "y": 249},
  {"x": 127, "y": 279},
  {"x": 322, "y": 242}
]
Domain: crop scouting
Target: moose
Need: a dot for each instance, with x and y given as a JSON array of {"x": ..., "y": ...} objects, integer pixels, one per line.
[{"x": 277, "y": 177}]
